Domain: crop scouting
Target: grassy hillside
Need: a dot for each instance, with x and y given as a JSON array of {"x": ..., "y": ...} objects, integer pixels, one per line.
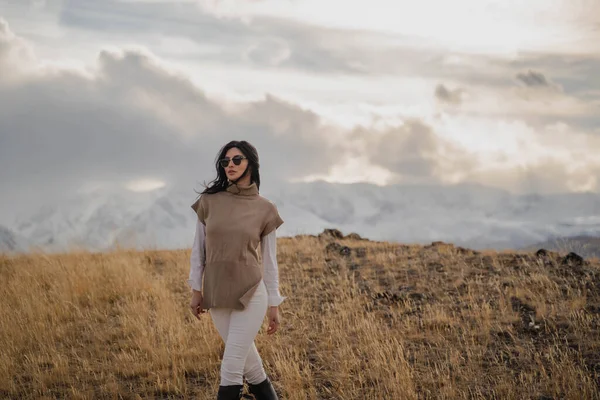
[{"x": 367, "y": 321}]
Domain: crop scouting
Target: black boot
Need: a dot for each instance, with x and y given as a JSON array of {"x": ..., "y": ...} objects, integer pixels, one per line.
[
  {"x": 263, "y": 390},
  {"x": 230, "y": 392}
]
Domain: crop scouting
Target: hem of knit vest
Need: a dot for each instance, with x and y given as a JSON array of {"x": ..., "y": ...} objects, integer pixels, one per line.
[
  {"x": 218, "y": 292},
  {"x": 240, "y": 304},
  {"x": 246, "y": 297}
]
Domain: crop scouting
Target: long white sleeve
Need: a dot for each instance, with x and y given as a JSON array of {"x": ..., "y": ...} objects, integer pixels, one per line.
[
  {"x": 271, "y": 270},
  {"x": 197, "y": 258}
]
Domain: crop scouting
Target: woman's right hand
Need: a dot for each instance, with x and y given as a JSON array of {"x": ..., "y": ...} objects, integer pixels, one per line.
[{"x": 195, "y": 304}]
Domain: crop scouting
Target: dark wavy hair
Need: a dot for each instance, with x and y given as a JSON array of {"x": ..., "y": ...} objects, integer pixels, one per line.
[{"x": 220, "y": 183}]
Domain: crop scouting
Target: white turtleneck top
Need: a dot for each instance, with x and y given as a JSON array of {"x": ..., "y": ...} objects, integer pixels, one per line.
[{"x": 269, "y": 258}]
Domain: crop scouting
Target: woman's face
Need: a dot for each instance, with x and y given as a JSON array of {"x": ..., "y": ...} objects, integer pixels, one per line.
[{"x": 232, "y": 170}]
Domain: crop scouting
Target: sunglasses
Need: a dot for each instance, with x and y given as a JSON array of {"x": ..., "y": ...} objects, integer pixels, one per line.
[{"x": 237, "y": 160}]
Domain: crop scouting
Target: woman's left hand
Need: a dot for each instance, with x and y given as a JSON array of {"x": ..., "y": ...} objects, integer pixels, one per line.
[{"x": 273, "y": 320}]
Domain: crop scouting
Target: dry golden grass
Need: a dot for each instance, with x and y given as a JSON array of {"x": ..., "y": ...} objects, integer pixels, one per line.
[{"x": 386, "y": 322}]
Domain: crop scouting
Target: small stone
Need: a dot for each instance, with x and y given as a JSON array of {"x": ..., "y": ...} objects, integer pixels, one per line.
[
  {"x": 334, "y": 233},
  {"x": 345, "y": 251},
  {"x": 573, "y": 259},
  {"x": 541, "y": 253},
  {"x": 353, "y": 236}
]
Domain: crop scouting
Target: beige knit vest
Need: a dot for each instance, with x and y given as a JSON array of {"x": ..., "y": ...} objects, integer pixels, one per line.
[{"x": 236, "y": 220}]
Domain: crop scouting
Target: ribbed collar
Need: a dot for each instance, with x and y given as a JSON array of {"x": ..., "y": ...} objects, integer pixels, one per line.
[{"x": 250, "y": 190}]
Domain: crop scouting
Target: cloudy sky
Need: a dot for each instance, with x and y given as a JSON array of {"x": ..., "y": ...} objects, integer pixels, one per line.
[{"x": 141, "y": 93}]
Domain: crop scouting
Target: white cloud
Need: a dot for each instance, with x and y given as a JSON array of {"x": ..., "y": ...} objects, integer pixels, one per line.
[
  {"x": 129, "y": 118},
  {"x": 449, "y": 96},
  {"x": 15, "y": 53},
  {"x": 344, "y": 73},
  {"x": 144, "y": 185},
  {"x": 132, "y": 115},
  {"x": 270, "y": 52},
  {"x": 413, "y": 152},
  {"x": 480, "y": 26},
  {"x": 509, "y": 154},
  {"x": 531, "y": 96}
]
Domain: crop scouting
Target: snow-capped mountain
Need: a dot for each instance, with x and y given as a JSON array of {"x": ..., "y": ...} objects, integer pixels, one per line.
[
  {"x": 10, "y": 242},
  {"x": 469, "y": 215},
  {"x": 585, "y": 246},
  {"x": 93, "y": 220}
]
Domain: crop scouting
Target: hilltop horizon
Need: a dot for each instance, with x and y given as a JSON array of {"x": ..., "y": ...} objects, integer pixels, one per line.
[{"x": 470, "y": 215}]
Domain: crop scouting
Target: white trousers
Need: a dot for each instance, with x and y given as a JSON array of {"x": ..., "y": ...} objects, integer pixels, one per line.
[{"x": 238, "y": 328}]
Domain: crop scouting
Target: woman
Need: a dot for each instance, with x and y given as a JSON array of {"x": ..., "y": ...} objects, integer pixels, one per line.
[{"x": 225, "y": 275}]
